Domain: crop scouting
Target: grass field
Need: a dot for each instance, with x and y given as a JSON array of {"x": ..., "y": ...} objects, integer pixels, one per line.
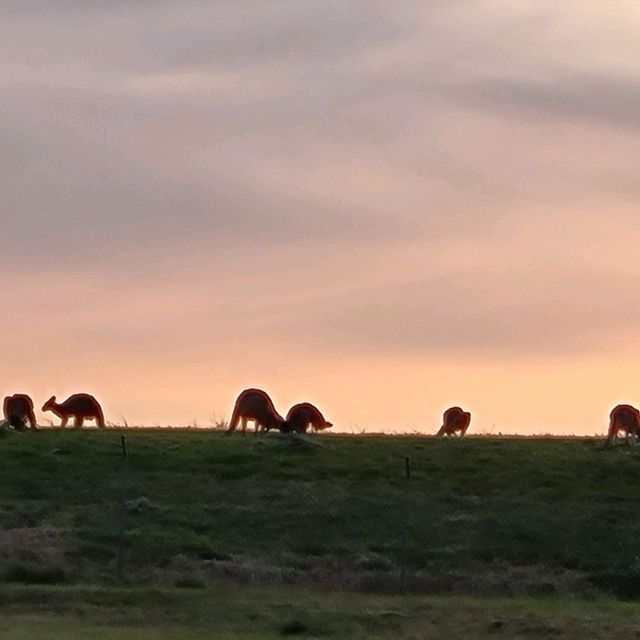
[
  {"x": 480, "y": 517},
  {"x": 259, "y": 613}
]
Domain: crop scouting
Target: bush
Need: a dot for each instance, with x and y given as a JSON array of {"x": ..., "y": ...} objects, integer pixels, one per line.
[{"x": 31, "y": 573}]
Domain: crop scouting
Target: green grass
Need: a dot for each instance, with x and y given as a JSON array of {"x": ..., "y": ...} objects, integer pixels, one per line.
[
  {"x": 482, "y": 516},
  {"x": 233, "y": 612}
]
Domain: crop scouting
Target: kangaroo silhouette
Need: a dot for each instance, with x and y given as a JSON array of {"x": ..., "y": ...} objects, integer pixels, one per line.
[
  {"x": 256, "y": 405},
  {"x": 303, "y": 415},
  {"x": 18, "y": 410},
  {"x": 623, "y": 417},
  {"x": 454, "y": 419},
  {"x": 80, "y": 406}
]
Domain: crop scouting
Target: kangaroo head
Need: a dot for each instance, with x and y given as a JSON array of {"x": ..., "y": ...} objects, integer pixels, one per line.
[
  {"x": 286, "y": 427},
  {"x": 327, "y": 425},
  {"x": 49, "y": 403}
]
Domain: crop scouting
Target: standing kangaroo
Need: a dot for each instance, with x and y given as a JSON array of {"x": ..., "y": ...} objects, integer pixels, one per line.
[
  {"x": 302, "y": 415},
  {"x": 454, "y": 419},
  {"x": 625, "y": 418},
  {"x": 18, "y": 410},
  {"x": 256, "y": 405},
  {"x": 81, "y": 406}
]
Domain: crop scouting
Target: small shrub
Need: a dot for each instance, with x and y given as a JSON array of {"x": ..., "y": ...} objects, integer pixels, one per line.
[
  {"x": 293, "y": 628},
  {"x": 623, "y": 584},
  {"x": 185, "y": 582},
  {"x": 31, "y": 573}
]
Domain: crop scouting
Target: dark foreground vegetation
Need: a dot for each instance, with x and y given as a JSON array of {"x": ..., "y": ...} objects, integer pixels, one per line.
[{"x": 480, "y": 517}]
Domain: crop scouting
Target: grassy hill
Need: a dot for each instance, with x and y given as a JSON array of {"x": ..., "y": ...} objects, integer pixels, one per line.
[{"x": 481, "y": 516}]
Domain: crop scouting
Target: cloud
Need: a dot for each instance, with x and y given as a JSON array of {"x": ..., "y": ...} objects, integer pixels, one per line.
[
  {"x": 610, "y": 101},
  {"x": 538, "y": 312},
  {"x": 215, "y": 123},
  {"x": 69, "y": 189}
]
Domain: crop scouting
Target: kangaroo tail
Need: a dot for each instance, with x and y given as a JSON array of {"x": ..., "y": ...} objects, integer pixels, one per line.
[
  {"x": 235, "y": 418},
  {"x": 610, "y": 435},
  {"x": 605, "y": 445},
  {"x": 100, "y": 418}
]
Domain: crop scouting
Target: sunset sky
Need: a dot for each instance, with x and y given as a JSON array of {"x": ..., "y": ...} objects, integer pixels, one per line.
[{"x": 384, "y": 208}]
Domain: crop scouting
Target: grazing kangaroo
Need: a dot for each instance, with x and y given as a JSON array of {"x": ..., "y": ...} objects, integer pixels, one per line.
[
  {"x": 302, "y": 415},
  {"x": 454, "y": 419},
  {"x": 81, "y": 406},
  {"x": 256, "y": 405},
  {"x": 18, "y": 410},
  {"x": 626, "y": 418}
]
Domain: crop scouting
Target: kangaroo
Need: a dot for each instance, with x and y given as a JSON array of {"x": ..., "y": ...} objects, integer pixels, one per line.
[
  {"x": 256, "y": 405},
  {"x": 302, "y": 415},
  {"x": 18, "y": 410},
  {"x": 80, "y": 405},
  {"x": 454, "y": 419},
  {"x": 623, "y": 417}
]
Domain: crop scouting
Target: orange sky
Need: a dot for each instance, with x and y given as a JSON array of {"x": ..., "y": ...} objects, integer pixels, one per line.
[{"x": 384, "y": 209}]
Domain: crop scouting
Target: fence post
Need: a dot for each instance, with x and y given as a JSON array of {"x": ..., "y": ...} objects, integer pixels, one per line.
[
  {"x": 123, "y": 504},
  {"x": 407, "y": 514}
]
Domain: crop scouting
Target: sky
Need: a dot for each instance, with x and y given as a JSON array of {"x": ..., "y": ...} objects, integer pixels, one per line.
[{"x": 384, "y": 208}]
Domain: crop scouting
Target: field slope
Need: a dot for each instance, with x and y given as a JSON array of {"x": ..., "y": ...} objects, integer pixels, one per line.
[{"x": 481, "y": 516}]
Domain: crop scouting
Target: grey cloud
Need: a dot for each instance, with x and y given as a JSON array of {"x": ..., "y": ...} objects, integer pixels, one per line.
[
  {"x": 94, "y": 158},
  {"x": 195, "y": 34},
  {"x": 302, "y": 32},
  {"x": 608, "y": 100},
  {"x": 70, "y": 8},
  {"x": 67, "y": 198}
]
